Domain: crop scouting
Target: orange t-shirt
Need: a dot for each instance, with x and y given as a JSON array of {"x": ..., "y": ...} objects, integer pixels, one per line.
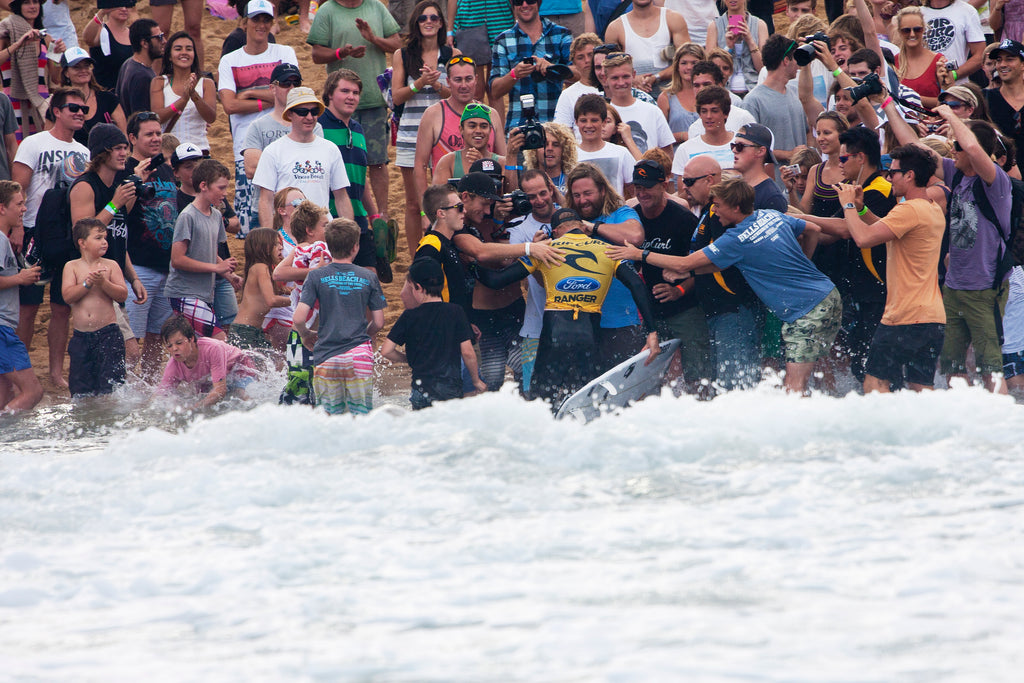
[{"x": 912, "y": 264}]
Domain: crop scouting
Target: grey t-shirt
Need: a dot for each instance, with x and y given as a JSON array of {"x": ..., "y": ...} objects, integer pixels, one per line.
[
  {"x": 344, "y": 291},
  {"x": 8, "y": 125},
  {"x": 266, "y": 129},
  {"x": 9, "y": 306},
  {"x": 202, "y": 233},
  {"x": 782, "y": 114}
]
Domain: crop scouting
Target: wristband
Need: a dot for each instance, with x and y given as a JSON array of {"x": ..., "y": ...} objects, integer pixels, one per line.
[
  {"x": 526, "y": 245},
  {"x": 513, "y": 168},
  {"x": 862, "y": 211},
  {"x": 174, "y": 109},
  {"x": 682, "y": 290},
  {"x": 953, "y": 71},
  {"x": 423, "y": 213},
  {"x": 259, "y": 105},
  {"x": 111, "y": 208},
  {"x": 512, "y": 73},
  {"x": 835, "y": 74},
  {"x": 414, "y": 88},
  {"x": 887, "y": 102},
  {"x": 86, "y": 285},
  {"x": 337, "y": 54},
  {"x": 96, "y": 18},
  {"x": 451, "y": 34},
  {"x": 374, "y": 216}
]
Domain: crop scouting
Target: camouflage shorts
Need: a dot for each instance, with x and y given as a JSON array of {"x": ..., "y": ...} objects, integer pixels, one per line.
[
  {"x": 375, "y": 129},
  {"x": 809, "y": 338}
]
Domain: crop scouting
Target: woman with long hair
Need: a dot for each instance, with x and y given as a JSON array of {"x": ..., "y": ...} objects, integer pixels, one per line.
[
  {"x": 184, "y": 100},
  {"x": 77, "y": 71},
  {"x": 419, "y": 80},
  {"x": 744, "y": 35},
  {"x": 678, "y": 102},
  {"x": 820, "y": 198},
  {"x": 106, "y": 36},
  {"x": 26, "y": 70},
  {"x": 918, "y": 67}
]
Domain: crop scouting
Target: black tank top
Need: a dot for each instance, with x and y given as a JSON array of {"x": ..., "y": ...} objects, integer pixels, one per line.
[{"x": 117, "y": 229}]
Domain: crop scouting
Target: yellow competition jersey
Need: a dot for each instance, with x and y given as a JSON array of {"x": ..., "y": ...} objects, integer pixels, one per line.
[{"x": 582, "y": 282}]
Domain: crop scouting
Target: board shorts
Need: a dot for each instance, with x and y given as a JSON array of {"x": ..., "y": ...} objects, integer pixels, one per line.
[
  {"x": 527, "y": 357},
  {"x": 375, "y": 129},
  {"x": 810, "y": 337},
  {"x": 499, "y": 341},
  {"x": 905, "y": 352},
  {"x": 13, "y": 354},
  {"x": 367, "y": 254},
  {"x": 248, "y": 338},
  {"x": 199, "y": 314},
  {"x": 149, "y": 317},
  {"x": 344, "y": 383},
  {"x": 973, "y": 319},
  {"x": 96, "y": 361},
  {"x": 1013, "y": 364},
  {"x": 225, "y": 302},
  {"x": 690, "y": 327}
]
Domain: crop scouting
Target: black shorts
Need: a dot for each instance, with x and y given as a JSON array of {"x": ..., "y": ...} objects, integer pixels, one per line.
[
  {"x": 97, "y": 361},
  {"x": 367, "y": 254},
  {"x": 909, "y": 352}
]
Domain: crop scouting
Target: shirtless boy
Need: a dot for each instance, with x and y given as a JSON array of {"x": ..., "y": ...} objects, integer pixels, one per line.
[{"x": 91, "y": 285}]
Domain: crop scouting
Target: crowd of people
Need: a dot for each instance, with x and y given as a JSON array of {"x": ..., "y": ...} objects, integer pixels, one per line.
[{"x": 835, "y": 199}]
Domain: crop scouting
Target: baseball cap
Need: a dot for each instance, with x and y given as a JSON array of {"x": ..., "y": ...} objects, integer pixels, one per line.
[
  {"x": 426, "y": 272},
  {"x": 563, "y": 215},
  {"x": 1010, "y": 47},
  {"x": 760, "y": 136},
  {"x": 284, "y": 71},
  {"x": 186, "y": 151},
  {"x": 480, "y": 184},
  {"x": 488, "y": 166},
  {"x": 74, "y": 55},
  {"x": 648, "y": 173},
  {"x": 259, "y": 7}
]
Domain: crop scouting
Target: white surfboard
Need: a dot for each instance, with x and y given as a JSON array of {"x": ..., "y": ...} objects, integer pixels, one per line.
[{"x": 626, "y": 383}]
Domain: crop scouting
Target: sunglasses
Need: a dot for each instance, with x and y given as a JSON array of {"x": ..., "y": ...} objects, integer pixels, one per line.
[
  {"x": 159, "y": 36},
  {"x": 954, "y": 105},
  {"x": 141, "y": 116},
  {"x": 303, "y": 112},
  {"x": 477, "y": 109},
  {"x": 690, "y": 182},
  {"x": 296, "y": 201},
  {"x": 843, "y": 158},
  {"x": 607, "y": 48},
  {"x": 957, "y": 147},
  {"x": 518, "y": 3},
  {"x": 912, "y": 29},
  {"x": 75, "y": 108},
  {"x": 424, "y": 18},
  {"x": 460, "y": 207},
  {"x": 739, "y": 146},
  {"x": 289, "y": 83},
  {"x": 461, "y": 59},
  {"x": 893, "y": 171}
]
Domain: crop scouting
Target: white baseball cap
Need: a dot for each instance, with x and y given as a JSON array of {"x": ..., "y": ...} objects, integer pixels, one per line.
[{"x": 259, "y": 7}]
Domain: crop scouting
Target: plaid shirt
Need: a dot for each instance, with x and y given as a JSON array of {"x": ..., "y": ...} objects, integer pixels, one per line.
[{"x": 512, "y": 47}]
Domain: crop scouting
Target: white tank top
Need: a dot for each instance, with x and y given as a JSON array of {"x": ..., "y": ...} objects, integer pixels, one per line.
[
  {"x": 647, "y": 52},
  {"x": 190, "y": 127}
]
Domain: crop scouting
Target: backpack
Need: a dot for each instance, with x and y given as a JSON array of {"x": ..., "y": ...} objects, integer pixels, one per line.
[
  {"x": 1009, "y": 256},
  {"x": 53, "y": 227}
]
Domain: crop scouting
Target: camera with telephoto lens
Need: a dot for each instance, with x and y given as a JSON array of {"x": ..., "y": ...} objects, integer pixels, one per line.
[
  {"x": 806, "y": 53},
  {"x": 143, "y": 191},
  {"x": 532, "y": 130},
  {"x": 867, "y": 86},
  {"x": 31, "y": 259}
]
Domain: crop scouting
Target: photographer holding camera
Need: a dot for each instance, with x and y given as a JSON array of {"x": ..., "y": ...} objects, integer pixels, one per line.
[{"x": 819, "y": 44}]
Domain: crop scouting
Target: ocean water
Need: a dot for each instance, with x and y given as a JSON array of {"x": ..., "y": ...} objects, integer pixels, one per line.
[{"x": 757, "y": 537}]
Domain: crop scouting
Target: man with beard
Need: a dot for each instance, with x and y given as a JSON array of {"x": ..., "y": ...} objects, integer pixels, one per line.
[{"x": 137, "y": 73}]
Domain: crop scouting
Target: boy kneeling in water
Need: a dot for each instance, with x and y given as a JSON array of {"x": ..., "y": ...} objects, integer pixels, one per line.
[{"x": 204, "y": 363}]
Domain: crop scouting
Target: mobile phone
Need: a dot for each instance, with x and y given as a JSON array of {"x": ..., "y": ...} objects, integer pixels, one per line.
[
  {"x": 734, "y": 23},
  {"x": 157, "y": 160},
  {"x": 529, "y": 60}
]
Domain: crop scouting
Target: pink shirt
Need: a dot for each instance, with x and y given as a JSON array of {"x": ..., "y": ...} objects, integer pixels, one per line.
[{"x": 217, "y": 360}]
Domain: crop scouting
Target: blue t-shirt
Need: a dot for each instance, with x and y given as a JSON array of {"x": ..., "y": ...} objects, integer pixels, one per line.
[
  {"x": 619, "y": 309},
  {"x": 552, "y": 7},
  {"x": 764, "y": 248}
]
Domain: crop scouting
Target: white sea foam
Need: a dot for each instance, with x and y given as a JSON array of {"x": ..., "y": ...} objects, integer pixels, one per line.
[{"x": 758, "y": 536}]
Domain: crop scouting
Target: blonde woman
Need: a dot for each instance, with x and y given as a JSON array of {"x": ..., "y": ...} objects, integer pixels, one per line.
[
  {"x": 743, "y": 35},
  {"x": 918, "y": 67}
]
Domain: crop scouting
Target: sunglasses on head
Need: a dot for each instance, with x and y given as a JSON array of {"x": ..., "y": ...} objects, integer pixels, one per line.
[
  {"x": 461, "y": 59},
  {"x": 74, "y": 108},
  {"x": 607, "y": 48},
  {"x": 296, "y": 201},
  {"x": 424, "y": 18},
  {"x": 690, "y": 182},
  {"x": 141, "y": 116},
  {"x": 911, "y": 29},
  {"x": 303, "y": 112}
]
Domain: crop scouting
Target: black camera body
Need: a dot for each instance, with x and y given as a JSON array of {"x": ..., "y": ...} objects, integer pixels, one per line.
[
  {"x": 31, "y": 259},
  {"x": 806, "y": 53},
  {"x": 143, "y": 191},
  {"x": 520, "y": 202},
  {"x": 534, "y": 136},
  {"x": 869, "y": 85}
]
